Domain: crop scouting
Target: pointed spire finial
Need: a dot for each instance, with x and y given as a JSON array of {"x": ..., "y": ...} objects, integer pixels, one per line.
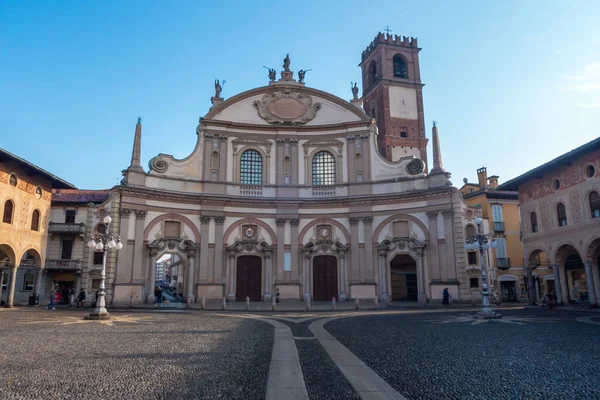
[
  {"x": 438, "y": 167},
  {"x": 139, "y": 120},
  {"x": 137, "y": 146}
]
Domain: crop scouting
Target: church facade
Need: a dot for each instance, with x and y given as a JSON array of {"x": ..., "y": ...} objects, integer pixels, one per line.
[{"x": 293, "y": 190}]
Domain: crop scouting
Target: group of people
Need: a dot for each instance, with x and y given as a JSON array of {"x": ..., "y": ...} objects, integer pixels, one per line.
[{"x": 55, "y": 296}]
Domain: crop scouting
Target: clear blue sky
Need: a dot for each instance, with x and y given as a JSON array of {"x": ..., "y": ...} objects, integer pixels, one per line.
[{"x": 512, "y": 84}]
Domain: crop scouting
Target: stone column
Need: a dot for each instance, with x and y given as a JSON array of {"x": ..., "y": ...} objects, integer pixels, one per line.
[
  {"x": 12, "y": 280},
  {"x": 204, "y": 228},
  {"x": 564, "y": 285},
  {"x": 368, "y": 227},
  {"x": 38, "y": 282},
  {"x": 433, "y": 245},
  {"x": 279, "y": 273},
  {"x": 138, "y": 252},
  {"x": 420, "y": 276},
  {"x": 231, "y": 291},
  {"x": 294, "y": 248},
  {"x": 383, "y": 290},
  {"x": 268, "y": 272},
  {"x": 590, "y": 281},
  {"x": 357, "y": 269},
  {"x": 151, "y": 276},
  {"x": 306, "y": 276},
  {"x": 123, "y": 270},
  {"x": 218, "y": 265},
  {"x": 342, "y": 260},
  {"x": 530, "y": 286},
  {"x": 557, "y": 284},
  {"x": 596, "y": 277},
  {"x": 191, "y": 254},
  {"x": 449, "y": 270}
]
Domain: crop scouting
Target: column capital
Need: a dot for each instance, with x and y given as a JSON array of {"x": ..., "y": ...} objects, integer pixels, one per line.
[
  {"x": 420, "y": 251},
  {"x": 367, "y": 220},
  {"x": 382, "y": 252},
  {"x": 205, "y": 219},
  {"x": 448, "y": 213},
  {"x": 220, "y": 220},
  {"x": 432, "y": 214},
  {"x": 153, "y": 252},
  {"x": 353, "y": 220},
  {"x": 280, "y": 221},
  {"x": 125, "y": 212},
  {"x": 141, "y": 214},
  {"x": 294, "y": 222},
  {"x": 588, "y": 263},
  {"x": 191, "y": 253}
]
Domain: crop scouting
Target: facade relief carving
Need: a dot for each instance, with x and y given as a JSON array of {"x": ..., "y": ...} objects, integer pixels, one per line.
[
  {"x": 287, "y": 107},
  {"x": 158, "y": 164}
]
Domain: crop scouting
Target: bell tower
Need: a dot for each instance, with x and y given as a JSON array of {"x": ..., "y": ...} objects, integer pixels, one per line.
[{"x": 392, "y": 95}]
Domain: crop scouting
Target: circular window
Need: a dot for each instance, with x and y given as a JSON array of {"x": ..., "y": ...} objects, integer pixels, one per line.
[
  {"x": 102, "y": 213},
  {"x": 13, "y": 180},
  {"x": 469, "y": 214},
  {"x": 38, "y": 192},
  {"x": 556, "y": 184},
  {"x": 590, "y": 171}
]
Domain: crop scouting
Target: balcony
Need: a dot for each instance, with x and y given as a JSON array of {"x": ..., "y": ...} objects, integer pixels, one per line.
[
  {"x": 498, "y": 226},
  {"x": 323, "y": 191},
  {"x": 251, "y": 191},
  {"x": 66, "y": 228},
  {"x": 503, "y": 263},
  {"x": 55, "y": 265}
]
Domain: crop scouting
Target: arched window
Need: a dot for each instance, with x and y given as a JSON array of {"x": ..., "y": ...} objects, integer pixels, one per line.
[
  {"x": 251, "y": 168},
  {"x": 399, "y": 67},
  {"x": 323, "y": 169},
  {"x": 372, "y": 73},
  {"x": 561, "y": 213},
  {"x": 534, "y": 224},
  {"x": 35, "y": 220},
  {"x": 8, "y": 212},
  {"x": 595, "y": 204}
]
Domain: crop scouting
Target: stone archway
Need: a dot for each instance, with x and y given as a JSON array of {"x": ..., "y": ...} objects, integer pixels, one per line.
[
  {"x": 403, "y": 278},
  {"x": 7, "y": 270},
  {"x": 249, "y": 259},
  {"x": 186, "y": 249},
  {"x": 387, "y": 250},
  {"x": 592, "y": 258},
  {"x": 325, "y": 271},
  {"x": 575, "y": 276}
]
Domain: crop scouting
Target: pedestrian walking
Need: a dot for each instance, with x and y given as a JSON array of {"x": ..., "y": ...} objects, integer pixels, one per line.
[
  {"x": 157, "y": 295},
  {"x": 277, "y": 296},
  {"x": 446, "y": 297},
  {"x": 50, "y": 306},
  {"x": 71, "y": 296}
]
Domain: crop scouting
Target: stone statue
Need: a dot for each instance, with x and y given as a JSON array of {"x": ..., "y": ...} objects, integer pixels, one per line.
[
  {"x": 354, "y": 90},
  {"x": 218, "y": 88},
  {"x": 301, "y": 74},
  {"x": 139, "y": 120},
  {"x": 272, "y": 74},
  {"x": 286, "y": 63}
]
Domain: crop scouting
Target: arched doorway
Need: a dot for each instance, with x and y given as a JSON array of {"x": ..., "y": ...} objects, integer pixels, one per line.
[
  {"x": 248, "y": 278},
  {"x": 325, "y": 278},
  {"x": 403, "y": 278},
  {"x": 7, "y": 260},
  {"x": 576, "y": 278},
  {"x": 538, "y": 266},
  {"x": 170, "y": 275}
]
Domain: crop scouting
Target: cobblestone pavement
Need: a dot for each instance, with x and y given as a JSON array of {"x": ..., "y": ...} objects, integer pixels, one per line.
[
  {"x": 528, "y": 354},
  {"x": 58, "y": 355}
]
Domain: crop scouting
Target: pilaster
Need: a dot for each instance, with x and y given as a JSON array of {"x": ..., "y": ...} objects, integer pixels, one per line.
[
  {"x": 203, "y": 267},
  {"x": 369, "y": 256},
  {"x": 357, "y": 274},
  {"x": 123, "y": 270},
  {"x": 294, "y": 248},
  {"x": 434, "y": 255},
  {"x": 449, "y": 270},
  {"x": 218, "y": 264},
  {"x": 137, "y": 275},
  {"x": 279, "y": 274}
]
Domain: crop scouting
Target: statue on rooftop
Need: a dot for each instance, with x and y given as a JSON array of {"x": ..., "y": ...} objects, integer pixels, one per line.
[
  {"x": 354, "y": 89},
  {"x": 272, "y": 74},
  {"x": 286, "y": 63},
  {"x": 301, "y": 74},
  {"x": 218, "y": 88}
]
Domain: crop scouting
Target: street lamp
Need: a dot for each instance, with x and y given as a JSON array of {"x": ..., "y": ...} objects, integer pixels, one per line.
[
  {"x": 483, "y": 242},
  {"x": 102, "y": 242}
]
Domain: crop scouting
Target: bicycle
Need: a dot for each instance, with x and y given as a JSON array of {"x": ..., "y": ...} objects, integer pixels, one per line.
[{"x": 582, "y": 302}]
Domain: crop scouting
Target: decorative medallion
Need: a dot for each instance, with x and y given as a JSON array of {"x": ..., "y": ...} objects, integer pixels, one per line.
[
  {"x": 249, "y": 232},
  {"x": 324, "y": 232},
  {"x": 287, "y": 107},
  {"x": 415, "y": 167}
]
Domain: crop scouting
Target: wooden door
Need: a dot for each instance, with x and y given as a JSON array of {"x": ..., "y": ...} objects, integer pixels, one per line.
[
  {"x": 248, "y": 278},
  {"x": 325, "y": 280}
]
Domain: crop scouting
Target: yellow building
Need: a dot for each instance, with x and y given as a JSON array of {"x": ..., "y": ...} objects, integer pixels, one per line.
[
  {"x": 25, "y": 193},
  {"x": 500, "y": 212}
]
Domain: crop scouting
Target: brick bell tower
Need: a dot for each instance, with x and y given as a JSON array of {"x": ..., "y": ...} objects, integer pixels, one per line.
[{"x": 392, "y": 94}]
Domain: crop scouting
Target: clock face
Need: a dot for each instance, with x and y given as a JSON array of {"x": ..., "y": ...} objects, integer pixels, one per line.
[
  {"x": 324, "y": 232},
  {"x": 249, "y": 232}
]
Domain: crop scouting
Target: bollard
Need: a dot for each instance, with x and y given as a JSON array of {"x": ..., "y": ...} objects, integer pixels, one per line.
[
  {"x": 203, "y": 304},
  {"x": 333, "y": 303},
  {"x": 376, "y": 302},
  {"x": 224, "y": 303},
  {"x": 308, "y": 304},
  {"x": 247, "y": 303},
  {"x": 273, "y": 303},
  {"x": 357, "y": 303}
]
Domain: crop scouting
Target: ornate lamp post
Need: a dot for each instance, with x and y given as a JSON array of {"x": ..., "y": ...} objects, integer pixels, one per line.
[
  {"x": 483, "y": 242},
  {"x": 102, "y": 242}
]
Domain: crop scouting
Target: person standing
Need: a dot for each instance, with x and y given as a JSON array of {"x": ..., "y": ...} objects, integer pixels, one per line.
[
  {"x": 50, "y": 306},
  {"x": 446, "y": 297},
  {"x": 277, "y": 296},
  {"x": 71, "y": 296}
]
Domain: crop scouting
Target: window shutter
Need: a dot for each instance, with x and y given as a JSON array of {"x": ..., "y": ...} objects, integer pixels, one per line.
[
  {"x": 501, "y": 249},
  {"x": 497, "y": 213}
]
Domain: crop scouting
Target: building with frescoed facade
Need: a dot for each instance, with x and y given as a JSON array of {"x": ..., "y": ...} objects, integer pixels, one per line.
[
  {"x": 560, "y": 214},
  {"x": 25, "y": 194},
  {"x": 294, "y": 189},
  {"x": 501, "y": 210}
]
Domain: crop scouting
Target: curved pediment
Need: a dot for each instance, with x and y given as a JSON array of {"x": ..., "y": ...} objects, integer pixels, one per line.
[{"x": 282, "y": 104}]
